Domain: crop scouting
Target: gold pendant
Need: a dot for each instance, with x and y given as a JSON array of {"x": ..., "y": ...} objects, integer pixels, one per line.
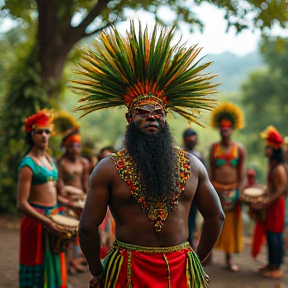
[{"x": 158, "y": 225}]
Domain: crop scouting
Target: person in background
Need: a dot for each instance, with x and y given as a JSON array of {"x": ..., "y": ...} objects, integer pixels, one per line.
[
  {"x": 250, "y": 178},
  {"x": 73, "y": 179},
  {"x": 149, "y": 185},
  {"x": 274, "y": 202},
  {"x": 37, "y": 199},
  {"x": 105, "y": 151},
  {"x": 227, "y": 176},
  {"x": 259, "y": 230},
  {"x": 190, "y": 139},
  {"x": 88, "y": 153}
]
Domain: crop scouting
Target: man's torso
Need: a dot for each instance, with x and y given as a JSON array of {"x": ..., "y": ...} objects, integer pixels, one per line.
[{"x": 125, "y": 209}]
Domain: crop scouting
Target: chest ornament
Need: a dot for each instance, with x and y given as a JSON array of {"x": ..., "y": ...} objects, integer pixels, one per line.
[{"x": 157, "y": 209}]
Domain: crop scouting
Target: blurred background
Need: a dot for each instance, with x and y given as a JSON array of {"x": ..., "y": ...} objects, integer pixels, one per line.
[{"x": 41, "y": 42}]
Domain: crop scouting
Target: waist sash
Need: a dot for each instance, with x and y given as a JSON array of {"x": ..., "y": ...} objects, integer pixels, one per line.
[{"x": 228, "y": 195}]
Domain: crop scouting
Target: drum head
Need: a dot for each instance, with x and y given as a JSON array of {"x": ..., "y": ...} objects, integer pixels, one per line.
[
  {"x": 254, "y": 192},
  {"x": 65, "y": 220}
]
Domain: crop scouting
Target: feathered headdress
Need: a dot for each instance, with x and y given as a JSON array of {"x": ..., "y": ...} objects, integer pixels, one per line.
[
  {"x": 138, "y": 68},
  {"x": 66, "y": 125},
  {"x": 272, "y": 137},
  {"x": 227, "y": 115},
  {"x": 41, "y": 119}
]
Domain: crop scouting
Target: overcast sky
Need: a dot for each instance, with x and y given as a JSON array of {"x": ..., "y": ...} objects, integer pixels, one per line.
[{"x": 214, "y": 39}]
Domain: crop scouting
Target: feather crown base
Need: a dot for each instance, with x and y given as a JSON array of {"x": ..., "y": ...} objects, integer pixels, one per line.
[{"x": 144, "y": 100}]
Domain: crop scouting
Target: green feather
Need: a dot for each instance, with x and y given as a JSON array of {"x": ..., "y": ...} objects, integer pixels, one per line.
[{"x": 119, "y": 69}]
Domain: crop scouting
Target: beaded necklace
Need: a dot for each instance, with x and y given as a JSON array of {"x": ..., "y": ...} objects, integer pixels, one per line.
[{"x": 157, "y": 208}]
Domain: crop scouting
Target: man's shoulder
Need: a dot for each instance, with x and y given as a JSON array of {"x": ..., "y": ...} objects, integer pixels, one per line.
[
  {"x": 104, "y": 167},
  {"x": 240, "y": 147},
  {"x": 281, "y": 168}
]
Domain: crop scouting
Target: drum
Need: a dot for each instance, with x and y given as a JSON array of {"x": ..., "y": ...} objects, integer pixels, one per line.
[
  {"x": 69, "y": 229},
  {"x": 256, "y": 194},
  {"x": 78, "y": 205}
]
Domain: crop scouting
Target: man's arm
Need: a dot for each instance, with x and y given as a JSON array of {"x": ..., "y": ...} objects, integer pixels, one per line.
[
  {"x": 93, "y": 214},
  {"x": 208, "y": 204},
  {"x": 279, "y": 177}
]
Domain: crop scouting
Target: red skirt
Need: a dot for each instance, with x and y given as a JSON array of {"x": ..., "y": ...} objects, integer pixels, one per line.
[
  {"x": 276, "y": 216},
  {"x": 153, "y": 267}
]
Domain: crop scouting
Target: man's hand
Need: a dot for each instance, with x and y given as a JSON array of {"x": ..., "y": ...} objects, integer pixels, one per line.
[{"x": 261, "y": 205}]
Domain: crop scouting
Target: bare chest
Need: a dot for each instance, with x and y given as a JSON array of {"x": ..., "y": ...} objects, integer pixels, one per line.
[{"x": 70, "y": 171}]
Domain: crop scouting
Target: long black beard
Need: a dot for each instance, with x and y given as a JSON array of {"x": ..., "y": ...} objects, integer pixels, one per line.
[{"x": 155, "y": 161}]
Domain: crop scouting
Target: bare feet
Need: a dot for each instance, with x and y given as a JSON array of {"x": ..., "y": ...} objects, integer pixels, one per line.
[
  {"x": 274, "y": 274},
  {"x": 232, "y": 267},
  {"x": 264, "y": 268},
  {"x": 229, "y": 265}
]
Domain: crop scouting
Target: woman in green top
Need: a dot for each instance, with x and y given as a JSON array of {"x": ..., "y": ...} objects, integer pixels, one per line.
[{"x": 36, "y": 199}]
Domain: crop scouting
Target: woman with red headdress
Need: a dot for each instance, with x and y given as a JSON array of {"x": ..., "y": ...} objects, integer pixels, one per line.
[
  {"x": 274, "y": 203},
  {"x": 36, "y": 199}
]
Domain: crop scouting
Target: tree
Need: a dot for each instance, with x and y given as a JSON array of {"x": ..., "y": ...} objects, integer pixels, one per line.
[
  {"x": 264, "y": 96},
  {"x": 56, "y": 35},
  {"x": 35, "y": 81}
]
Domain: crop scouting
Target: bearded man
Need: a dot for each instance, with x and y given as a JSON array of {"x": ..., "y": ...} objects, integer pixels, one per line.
[{"x": 150, "y": 184}]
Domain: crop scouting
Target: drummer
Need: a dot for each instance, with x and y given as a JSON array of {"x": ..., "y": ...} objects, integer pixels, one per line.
[
  {"x": 73, "y": 176},
  {"x": 36, "y": 199},
  {"x": 275, "y": 203}
]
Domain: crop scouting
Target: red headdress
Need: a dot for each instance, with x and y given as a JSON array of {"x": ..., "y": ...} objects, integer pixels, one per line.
[
  {"x": 41, "y": 119},
  {"x": 73, "y": 137},
  {"x": 272, "y": 137}
]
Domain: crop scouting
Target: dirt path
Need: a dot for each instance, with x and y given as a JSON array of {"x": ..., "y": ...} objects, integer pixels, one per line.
[{"x": 220, "y": 278}]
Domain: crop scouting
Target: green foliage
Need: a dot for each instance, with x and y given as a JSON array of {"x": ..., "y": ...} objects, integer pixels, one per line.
[
  {"x": 264, "y": 97},
  {"x": 240, "y": 14},
  {"x": 10, "y": 159},
  {"x": 233, "y": 70},
  {"x": 26, "y": 90},
  {"x": 21, "y": 9},
  {"x": 23, "y": 95},
  {"x": 25, "y": 98}
]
